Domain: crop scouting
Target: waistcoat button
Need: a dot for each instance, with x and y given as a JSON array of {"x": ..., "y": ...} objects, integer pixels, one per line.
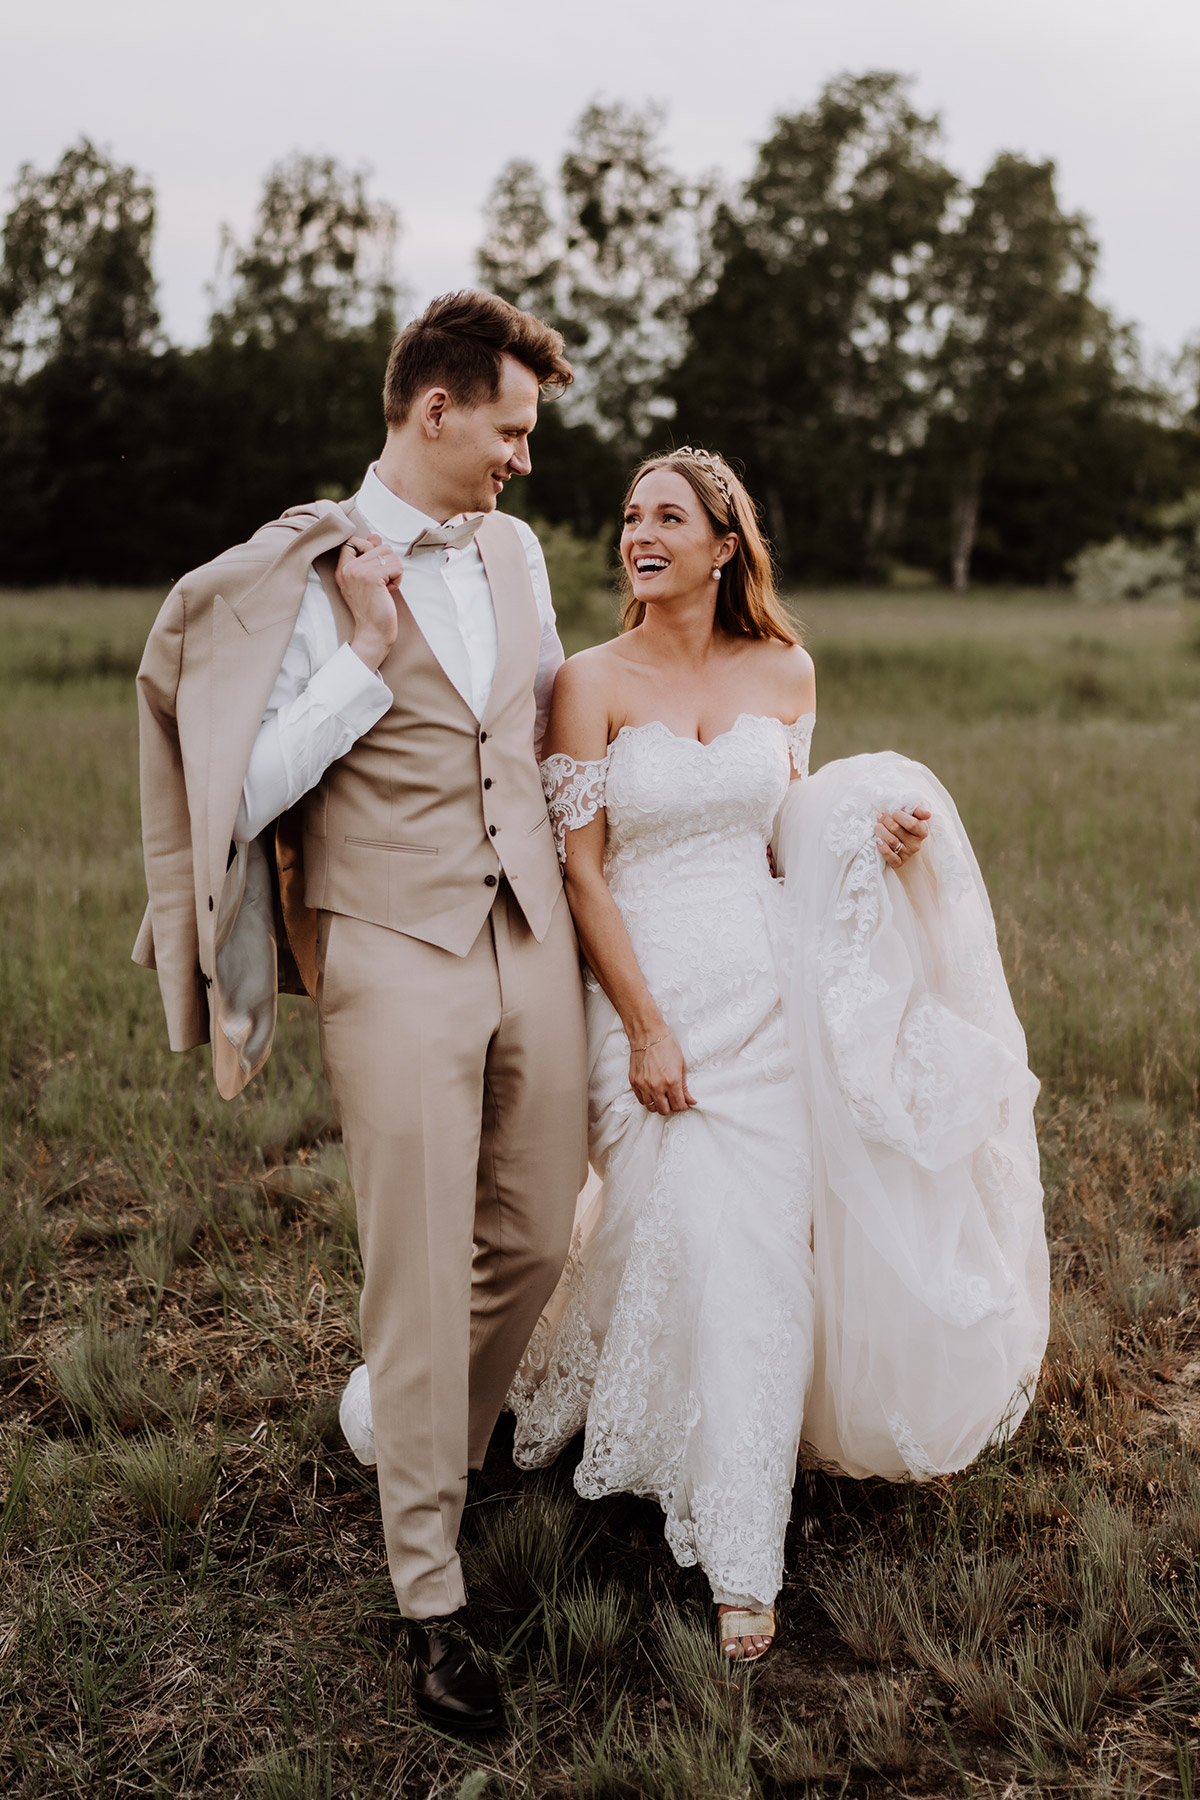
[
  {"x": 491, "y": 831},
  {"x": 487, "y": 781},
  {"x": 489, "y": 881},
  {"x": 483, "y": 737}
]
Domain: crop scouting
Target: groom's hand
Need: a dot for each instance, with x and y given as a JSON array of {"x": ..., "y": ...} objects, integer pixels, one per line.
[{"x": 366, "y": 573}]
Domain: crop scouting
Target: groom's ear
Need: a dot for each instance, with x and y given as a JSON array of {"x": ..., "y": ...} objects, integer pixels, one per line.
[{"x": 431, "y": 409}]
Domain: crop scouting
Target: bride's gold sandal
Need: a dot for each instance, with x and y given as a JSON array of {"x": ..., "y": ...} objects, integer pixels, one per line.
[{"x": 738, "y": 1623}]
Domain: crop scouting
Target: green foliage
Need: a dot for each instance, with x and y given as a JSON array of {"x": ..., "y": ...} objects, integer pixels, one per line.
[
  {"x": 597, "y": 1622},
  {"x": 87, "y": 389},
  {"x": 879, "y": 1725},
  {"x": 76, "y": 279},
  {"x": 1180, "y": 522},
  {"x": 808, "y": 360},
  {"x": 1119, "y": 570},
  {"x": 121, "y": 457},
  {"x": 320, "y": 261},
  {"x": 282, "y": 1775},
  {"x": 1014, "y": 278},
  {"x": 99, "y": 1375},
  {"x": 292, "y": 374},
  {"x": 581, "y": 574},
  {"x": 911, "y": 371},
  {"x": 23, "y": 1250},
  {"x": 1167, "y": 566},
  {"x": 524, "y": 1549},
  {"x": 613, "y": 259},
  {"x": 170, "y": 1479}
]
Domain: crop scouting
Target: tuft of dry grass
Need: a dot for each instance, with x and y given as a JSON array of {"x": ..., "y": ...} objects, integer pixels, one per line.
[{"x": 194, "y": 1595}]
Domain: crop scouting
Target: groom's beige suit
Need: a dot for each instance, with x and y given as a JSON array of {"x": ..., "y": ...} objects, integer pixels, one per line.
[{"x": 415, "y": 894}]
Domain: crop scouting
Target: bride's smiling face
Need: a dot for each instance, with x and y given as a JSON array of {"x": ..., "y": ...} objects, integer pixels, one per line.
[{"x": 668, "y": 544}]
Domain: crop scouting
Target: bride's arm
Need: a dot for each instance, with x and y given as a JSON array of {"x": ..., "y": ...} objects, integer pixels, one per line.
[{"x": 579, "y": 731}]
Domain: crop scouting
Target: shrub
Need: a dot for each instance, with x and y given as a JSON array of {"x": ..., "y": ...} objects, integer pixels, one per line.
[
  {"x": 581, "y": 583},
  {"x": 1106, "y": 573}
]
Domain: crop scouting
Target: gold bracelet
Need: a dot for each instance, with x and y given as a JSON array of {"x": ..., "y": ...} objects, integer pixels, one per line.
[{"x": 640, "y": 1049}]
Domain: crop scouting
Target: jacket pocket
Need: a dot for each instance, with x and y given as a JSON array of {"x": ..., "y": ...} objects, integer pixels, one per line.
[
  {"x": 543, "y": 824},
  {"x": 364, "y": 843}
]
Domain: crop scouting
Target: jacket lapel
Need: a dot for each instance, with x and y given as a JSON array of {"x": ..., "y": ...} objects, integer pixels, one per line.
[{"x": 250, "y": 634}]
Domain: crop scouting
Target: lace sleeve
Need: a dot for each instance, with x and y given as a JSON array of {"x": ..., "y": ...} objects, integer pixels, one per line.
[
  {"x": 574, "y": 795},
  {"x": 799, "y": 739}
]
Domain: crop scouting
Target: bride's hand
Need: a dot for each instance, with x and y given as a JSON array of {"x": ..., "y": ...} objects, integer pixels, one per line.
[
  {"x": 658, "y": 1076},
  {"x": 900, "y": 835}
]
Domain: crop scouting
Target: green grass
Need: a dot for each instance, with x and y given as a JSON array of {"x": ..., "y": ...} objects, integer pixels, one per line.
[{"x": 193, "y": 1595}]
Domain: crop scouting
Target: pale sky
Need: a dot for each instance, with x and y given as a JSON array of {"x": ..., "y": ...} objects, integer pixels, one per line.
[{"x": 203, "y": 97}]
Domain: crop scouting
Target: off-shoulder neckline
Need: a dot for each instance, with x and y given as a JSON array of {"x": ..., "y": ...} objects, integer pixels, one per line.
[{"x": 707, "y": 744}]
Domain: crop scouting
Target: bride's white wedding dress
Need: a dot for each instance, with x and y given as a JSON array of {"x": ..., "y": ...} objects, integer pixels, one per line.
[
  {"x": 843, "y": 1241},
  {"x": 685, "y": 1345}
]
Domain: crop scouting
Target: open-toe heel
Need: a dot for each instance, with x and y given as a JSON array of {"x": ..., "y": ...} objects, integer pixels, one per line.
[{"x": 739, "y": 1623}]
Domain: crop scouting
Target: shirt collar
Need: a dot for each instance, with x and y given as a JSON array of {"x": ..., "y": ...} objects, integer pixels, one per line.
[{"x": 389, "y": 515}]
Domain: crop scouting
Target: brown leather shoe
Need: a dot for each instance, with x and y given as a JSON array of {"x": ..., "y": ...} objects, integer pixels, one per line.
[{"x": 449, "y": 1688}]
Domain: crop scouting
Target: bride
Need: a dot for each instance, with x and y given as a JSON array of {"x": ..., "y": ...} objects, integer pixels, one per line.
[{"x": 819, "y": 1216}]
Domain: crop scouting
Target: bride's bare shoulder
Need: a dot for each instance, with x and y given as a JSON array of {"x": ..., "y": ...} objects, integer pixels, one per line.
[
  {"x": 590, "y": 673},
  {"x": 582, "y": 706},
  {"x": 787, "y": 670}
]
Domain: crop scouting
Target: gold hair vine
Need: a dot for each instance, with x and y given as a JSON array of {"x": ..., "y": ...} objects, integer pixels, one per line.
[{"x": 712, "y": 465}]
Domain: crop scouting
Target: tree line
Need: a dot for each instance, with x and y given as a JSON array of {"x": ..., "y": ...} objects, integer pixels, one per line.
[{"x": 913, "y": 372}]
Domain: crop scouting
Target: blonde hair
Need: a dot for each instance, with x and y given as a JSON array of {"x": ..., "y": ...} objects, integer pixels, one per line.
[{"x": 748, "y": 604}]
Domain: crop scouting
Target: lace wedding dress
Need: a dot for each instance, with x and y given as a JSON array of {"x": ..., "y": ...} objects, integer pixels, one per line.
[
  {"x": 685, "y": 1342},
  {"x": 843, "y": 1241}
]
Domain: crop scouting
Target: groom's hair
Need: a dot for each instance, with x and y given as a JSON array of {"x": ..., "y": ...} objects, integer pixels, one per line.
[{"x": 458, "y": 343}]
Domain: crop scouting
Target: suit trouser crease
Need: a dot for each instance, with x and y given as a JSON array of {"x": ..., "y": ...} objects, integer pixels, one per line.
[{"x": 460, "y": 1083}]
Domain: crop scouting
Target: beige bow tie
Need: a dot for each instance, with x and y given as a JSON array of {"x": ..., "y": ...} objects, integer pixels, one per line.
[{"x": 446, "y": 537}]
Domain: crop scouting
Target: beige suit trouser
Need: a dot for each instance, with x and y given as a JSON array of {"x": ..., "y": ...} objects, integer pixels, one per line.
[{"x": 461, "y": 1086}]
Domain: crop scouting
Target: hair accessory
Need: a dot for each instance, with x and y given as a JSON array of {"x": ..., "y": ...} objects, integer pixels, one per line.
[{"x": 712, "y": 465}]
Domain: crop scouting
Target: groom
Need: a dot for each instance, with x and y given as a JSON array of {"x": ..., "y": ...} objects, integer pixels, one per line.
[{"x": 340, "y": 791}]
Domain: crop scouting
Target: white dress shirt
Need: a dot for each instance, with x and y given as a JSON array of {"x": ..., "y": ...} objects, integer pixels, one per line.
[{"x": 325, "y": 698}]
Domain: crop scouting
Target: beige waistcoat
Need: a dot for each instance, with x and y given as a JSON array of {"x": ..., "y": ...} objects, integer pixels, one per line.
[{"x": 414, "y": 826}]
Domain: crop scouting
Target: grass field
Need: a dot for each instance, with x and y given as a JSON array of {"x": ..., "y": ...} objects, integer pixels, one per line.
[{"x": 193, "y": 1597}]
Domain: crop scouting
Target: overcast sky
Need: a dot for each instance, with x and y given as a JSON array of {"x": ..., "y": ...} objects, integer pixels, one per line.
[{"x": 435, "y": 97}]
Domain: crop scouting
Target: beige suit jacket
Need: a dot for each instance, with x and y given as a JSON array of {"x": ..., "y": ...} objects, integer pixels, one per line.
[{"x": 212, "y": 656}]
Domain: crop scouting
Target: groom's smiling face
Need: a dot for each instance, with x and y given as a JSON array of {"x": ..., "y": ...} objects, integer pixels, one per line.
[{"x": 480, "y": 448}]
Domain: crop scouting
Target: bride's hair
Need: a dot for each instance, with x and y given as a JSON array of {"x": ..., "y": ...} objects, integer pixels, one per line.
[{"x": 747, "y": 602}]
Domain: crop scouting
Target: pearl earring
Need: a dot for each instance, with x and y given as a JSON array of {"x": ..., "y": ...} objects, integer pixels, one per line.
[{"x": 717, "y": 573}]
